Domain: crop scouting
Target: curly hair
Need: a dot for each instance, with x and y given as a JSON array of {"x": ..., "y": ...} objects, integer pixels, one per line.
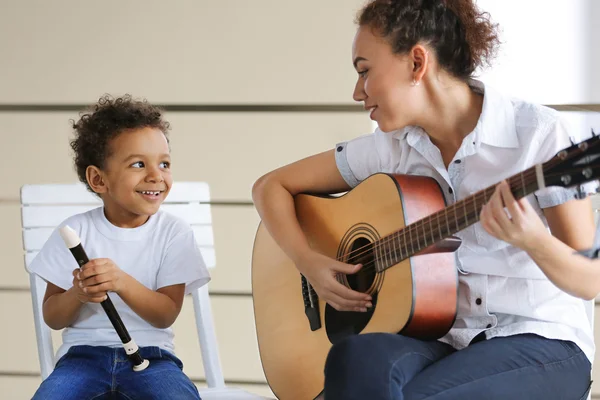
[
  {"x": 103, "y": 122},
  {"x": 462, "y": 36}
]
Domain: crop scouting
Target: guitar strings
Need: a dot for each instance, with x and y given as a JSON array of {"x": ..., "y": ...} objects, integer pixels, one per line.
[
  {"x": 522, "y": 178},
  {"x": 435, "y": 223},
  {"x": 515, "y": 180},
  {"x": 367, "y": 267}
]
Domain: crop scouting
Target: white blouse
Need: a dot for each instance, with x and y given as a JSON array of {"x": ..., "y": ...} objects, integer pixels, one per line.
[{"x": 502, "y": 291}]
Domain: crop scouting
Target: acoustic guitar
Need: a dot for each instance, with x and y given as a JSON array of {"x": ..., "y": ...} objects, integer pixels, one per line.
[{"x": 399, "y": 228}]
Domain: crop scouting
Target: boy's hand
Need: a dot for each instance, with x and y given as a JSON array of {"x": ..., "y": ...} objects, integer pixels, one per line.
[
  {"x": 99, "y": 276},
  {"x": 81, "y": 295}
]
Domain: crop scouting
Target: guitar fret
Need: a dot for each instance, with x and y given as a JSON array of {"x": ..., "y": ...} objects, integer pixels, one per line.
[
  {"x": 393, "y": 250},
  {"x": 431, "y": 228},
  {"x": 399, "y": 249},
  {"x": 447, "y": 224},
  {"x": 417, "y": 243},
  {"x": 465, "y": 212},
  {"x": 456, "y": 216},
  {"x": 412, "y": 248},
  {"x": 386, "y": 254},
  {"x": 439, "y": 225},
  {"x": 405, "y": 244},
  {"x": 424, "y": 235},
  {"x": 523, "y": 184}
]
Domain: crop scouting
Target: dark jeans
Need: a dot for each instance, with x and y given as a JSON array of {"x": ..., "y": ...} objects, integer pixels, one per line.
[
  {"x": 102, "y": 373},
  {"x": 387, "y": 366}
]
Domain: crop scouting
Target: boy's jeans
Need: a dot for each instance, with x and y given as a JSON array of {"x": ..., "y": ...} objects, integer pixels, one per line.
[{"x": 98, "y": 372}]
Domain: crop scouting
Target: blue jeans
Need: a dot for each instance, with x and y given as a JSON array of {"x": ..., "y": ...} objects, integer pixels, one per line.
[
  {"x": 387, "y": 366},
  {"x": 99, "y": 373}
]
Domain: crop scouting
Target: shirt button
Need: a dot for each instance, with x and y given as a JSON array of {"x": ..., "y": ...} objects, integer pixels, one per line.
[
  {"x": 478, "y": 302},
  {"x": 450, "y": 190},
  {"x": 489, "y": 326},
  {"x": 340, "y": 148},
  {"x": 457, "y": 161}
]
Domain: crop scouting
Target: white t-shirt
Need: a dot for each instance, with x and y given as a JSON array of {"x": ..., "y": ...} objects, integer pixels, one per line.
[
  {"x": 502, "y": 291},
  {"x": 160, "y": 253}
]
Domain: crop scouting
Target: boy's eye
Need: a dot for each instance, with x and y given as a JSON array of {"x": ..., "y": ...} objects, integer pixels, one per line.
[
  {"x": 165, "y": 164},
  {"x": 139, "y": 164}
]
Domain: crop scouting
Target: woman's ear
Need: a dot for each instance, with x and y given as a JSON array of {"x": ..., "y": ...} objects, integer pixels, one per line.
[
  {"x": 420, "y": 59},
  {"x": 95, "y": 178}
]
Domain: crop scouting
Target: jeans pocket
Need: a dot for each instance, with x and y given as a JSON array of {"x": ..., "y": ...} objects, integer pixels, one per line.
[
  {"x": 571, "y": 347},
  {"x": 167, "y": 355}
]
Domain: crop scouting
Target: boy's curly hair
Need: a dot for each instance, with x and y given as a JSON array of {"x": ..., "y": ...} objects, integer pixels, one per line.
[{"x": 103, "y": 122}]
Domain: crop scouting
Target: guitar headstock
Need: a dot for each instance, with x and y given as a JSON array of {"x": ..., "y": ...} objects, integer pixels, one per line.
[{"x": 574, "y": 165}]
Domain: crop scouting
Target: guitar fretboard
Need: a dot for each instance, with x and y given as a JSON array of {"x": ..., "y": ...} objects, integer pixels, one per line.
[{"x": 414, "y": 238}]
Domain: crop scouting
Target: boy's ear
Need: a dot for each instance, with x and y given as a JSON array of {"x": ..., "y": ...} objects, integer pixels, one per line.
[{"x": 95, "y": 179}]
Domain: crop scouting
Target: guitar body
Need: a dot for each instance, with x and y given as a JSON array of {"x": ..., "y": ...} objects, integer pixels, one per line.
[{"x": 416, "y": 297}]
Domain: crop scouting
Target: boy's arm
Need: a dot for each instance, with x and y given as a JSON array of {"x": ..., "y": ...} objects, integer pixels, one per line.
[
  {"x": 159, "y": 308},
  {"x": 61, "y": 307}
]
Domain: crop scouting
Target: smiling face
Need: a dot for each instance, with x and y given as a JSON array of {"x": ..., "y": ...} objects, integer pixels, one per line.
[
  {"x": 136, "y": 177},
  {"x": 385, "y": 80}
]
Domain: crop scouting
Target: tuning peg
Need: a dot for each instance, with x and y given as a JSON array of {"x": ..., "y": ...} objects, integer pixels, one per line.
[
  {"x": 572, "y": 141},
  {"x": 593, "y": 133}
]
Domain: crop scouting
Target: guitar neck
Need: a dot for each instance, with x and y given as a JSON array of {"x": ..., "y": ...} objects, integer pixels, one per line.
[{"x": 416, "y": 237}]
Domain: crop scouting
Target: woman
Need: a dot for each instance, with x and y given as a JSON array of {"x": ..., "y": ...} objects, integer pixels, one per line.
[{"x": 521, "y": 329}]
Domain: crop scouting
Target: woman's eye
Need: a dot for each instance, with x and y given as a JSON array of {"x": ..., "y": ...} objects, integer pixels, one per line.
[
  {"x": 139, "y": 164},
  {"x": 362, "y": 74},
  {"x": 165, "y": 165}
]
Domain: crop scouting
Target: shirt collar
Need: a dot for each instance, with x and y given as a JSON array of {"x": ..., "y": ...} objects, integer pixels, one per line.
[{"x": 496, "y": 125}]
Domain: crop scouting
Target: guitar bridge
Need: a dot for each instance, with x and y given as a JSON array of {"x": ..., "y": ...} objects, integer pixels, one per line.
[{"x": 311, "y": 305}]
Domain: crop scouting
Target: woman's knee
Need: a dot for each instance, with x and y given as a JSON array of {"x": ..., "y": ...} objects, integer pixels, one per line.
[{"x": 357, "y": 352}]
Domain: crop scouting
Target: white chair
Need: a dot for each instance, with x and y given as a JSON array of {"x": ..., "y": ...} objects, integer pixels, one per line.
[{"x": 43, "y": 207}]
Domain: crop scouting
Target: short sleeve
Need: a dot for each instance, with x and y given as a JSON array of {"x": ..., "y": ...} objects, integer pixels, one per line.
[
  {"x": 357, "y": 159},
  {"x": 556, "y": 139},
  {"x": 55, "y": 263},
  {"x": 183, "y": 263}
]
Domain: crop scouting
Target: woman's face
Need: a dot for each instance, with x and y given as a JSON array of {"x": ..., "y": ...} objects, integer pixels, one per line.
[{"x": 384, "y": 82}]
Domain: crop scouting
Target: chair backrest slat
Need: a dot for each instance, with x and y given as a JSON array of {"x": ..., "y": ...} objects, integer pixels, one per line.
[
  {"x": 34, "y": 238},
  {"x": 42, "y": 216},
  {"x": 181, "y": 192}
]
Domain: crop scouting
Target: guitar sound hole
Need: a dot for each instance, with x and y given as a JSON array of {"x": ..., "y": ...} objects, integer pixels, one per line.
[
  {"x": 361, "y": 252},
  {"x": 340, "y": 324}
]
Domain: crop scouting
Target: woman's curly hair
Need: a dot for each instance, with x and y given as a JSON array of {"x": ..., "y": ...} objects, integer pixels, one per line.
[
  {"x": 103, "y": 122},
  {"x": 462, "y": 36}
]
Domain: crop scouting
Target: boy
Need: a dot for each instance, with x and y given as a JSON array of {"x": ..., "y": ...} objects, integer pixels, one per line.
[{"x": 148, "y": 259}]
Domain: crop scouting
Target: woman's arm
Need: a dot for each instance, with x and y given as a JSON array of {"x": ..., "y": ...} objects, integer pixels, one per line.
[
  {"x": 572, "y": 227},
  {"x": 273, "y": 196}
]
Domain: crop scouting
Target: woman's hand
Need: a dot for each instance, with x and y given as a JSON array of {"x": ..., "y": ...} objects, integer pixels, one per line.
[
  {"x": 321, "y": 272},
  {"x": 522, "y": 228}
]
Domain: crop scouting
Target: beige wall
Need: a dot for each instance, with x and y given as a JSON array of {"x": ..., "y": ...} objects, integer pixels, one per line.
[{"x": 227, "y": 52}]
